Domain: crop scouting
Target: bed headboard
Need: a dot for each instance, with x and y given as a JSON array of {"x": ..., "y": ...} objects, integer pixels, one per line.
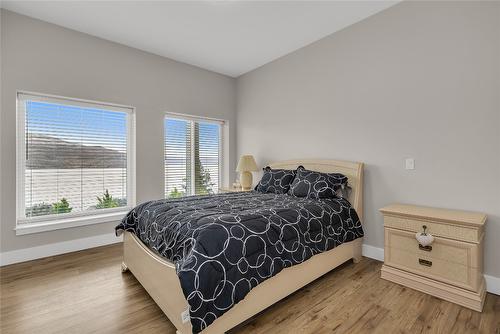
[{"x": 353, "y": 170}]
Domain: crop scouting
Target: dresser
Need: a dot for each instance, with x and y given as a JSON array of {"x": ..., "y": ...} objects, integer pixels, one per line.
[{"x": 451, "y": 267}]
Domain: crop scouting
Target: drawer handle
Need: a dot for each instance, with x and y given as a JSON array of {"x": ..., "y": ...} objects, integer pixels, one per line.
[
  {"x": 425, "y": 262},
  {"x": 425, "y": 248},
  {"x": 424, "y": 238}
]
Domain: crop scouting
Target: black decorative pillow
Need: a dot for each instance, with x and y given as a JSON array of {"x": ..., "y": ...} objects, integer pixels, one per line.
[
  {"x": 310, "y": 184},
  {"x": 275, "y": 181}
]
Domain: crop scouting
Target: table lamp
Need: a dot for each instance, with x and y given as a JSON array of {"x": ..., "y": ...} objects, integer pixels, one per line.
[{"x": 246, "y": 166}]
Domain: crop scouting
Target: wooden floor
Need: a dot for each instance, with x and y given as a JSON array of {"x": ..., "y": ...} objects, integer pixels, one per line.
[{"x": 84, "y": 292}]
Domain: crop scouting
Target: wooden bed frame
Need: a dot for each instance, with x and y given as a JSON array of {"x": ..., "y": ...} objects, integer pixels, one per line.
[{"x": 157, "y": 275}]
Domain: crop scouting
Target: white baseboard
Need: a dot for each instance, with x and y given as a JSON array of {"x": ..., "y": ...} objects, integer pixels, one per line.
[
  {"x": 373, "y": 252},
  {"x": 33, "y": 253},
  {"x": 492, "y": 282}
]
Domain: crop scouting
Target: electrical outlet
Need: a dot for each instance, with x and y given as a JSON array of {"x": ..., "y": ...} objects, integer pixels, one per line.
[
  {"x": 185, "y": 316},
  {"x": 410, "y": 163}
]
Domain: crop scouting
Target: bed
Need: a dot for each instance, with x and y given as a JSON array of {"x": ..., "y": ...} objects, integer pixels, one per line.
[{"x": 158, "y": 265}]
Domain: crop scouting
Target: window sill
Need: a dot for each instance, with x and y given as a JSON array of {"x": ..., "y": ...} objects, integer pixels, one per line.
[{"x": 58, "y": 224}]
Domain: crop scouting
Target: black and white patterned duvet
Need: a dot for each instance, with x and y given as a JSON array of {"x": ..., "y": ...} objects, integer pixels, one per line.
[{"x": 224, "y": 245}]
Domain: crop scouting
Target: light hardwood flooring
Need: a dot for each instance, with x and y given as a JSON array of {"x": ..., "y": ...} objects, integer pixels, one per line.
[{"x": 85, "y": 292}]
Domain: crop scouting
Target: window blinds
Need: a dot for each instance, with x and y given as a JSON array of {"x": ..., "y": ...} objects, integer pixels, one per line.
[
  {"x": 192, "y": 156},
  {"x": 75, "y": 156}
]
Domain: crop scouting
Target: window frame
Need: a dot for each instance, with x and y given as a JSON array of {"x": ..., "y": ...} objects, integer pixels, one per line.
[
  {"x": 37, "y": 224},
  {"x": 190, "y": 118}
]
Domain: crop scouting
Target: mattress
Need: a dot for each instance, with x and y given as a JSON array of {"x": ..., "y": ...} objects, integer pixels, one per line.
[{"x": 226, "y": 244}]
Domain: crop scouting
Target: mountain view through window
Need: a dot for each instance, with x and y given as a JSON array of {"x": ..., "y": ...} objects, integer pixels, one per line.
[{"x": 75, "y": 157}]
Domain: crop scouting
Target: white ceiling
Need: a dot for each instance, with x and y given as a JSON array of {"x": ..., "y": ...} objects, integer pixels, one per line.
[{"x": 229, "y": 37}]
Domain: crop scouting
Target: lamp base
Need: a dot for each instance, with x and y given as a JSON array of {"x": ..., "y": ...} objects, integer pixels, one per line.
[{"x": 246, "y": 180}]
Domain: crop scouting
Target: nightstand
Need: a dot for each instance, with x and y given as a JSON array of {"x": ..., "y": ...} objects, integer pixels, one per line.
[
  {"x": 231, "y": 190},
  {"x": 451, "y": 268}
]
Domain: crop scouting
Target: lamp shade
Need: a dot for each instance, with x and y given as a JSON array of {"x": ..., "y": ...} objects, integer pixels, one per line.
[{"x": 247, "y": 164}]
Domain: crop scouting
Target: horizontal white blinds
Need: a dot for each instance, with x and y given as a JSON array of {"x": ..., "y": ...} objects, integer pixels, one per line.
[
  {"x": 192, "y": 155},
  {"x": 177, "y": 157},
  {"x": 75, "y": 156},
  {"x": 206, "y": 157}
]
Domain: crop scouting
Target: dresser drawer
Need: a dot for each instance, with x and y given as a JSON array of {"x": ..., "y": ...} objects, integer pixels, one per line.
[
  {"x": 438, "y": 229},
  {"x": 459, "y": 252},
  {"x": 449, "y": 261}
]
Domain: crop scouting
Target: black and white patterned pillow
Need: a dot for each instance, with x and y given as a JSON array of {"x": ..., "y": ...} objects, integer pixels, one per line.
[
  {"x": 275, "y": 181},
  {"x": 310, "y": 184}
]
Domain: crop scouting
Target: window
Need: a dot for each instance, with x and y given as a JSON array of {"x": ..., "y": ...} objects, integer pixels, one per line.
[
  {"x": 74, "y": 158},
  {"x": 192, "y": 156}
]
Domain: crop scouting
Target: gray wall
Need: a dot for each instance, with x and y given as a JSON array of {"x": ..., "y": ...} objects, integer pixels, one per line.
[
  {"x": 42, "y": 57},
  {"x": 421, "y": 79}
]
